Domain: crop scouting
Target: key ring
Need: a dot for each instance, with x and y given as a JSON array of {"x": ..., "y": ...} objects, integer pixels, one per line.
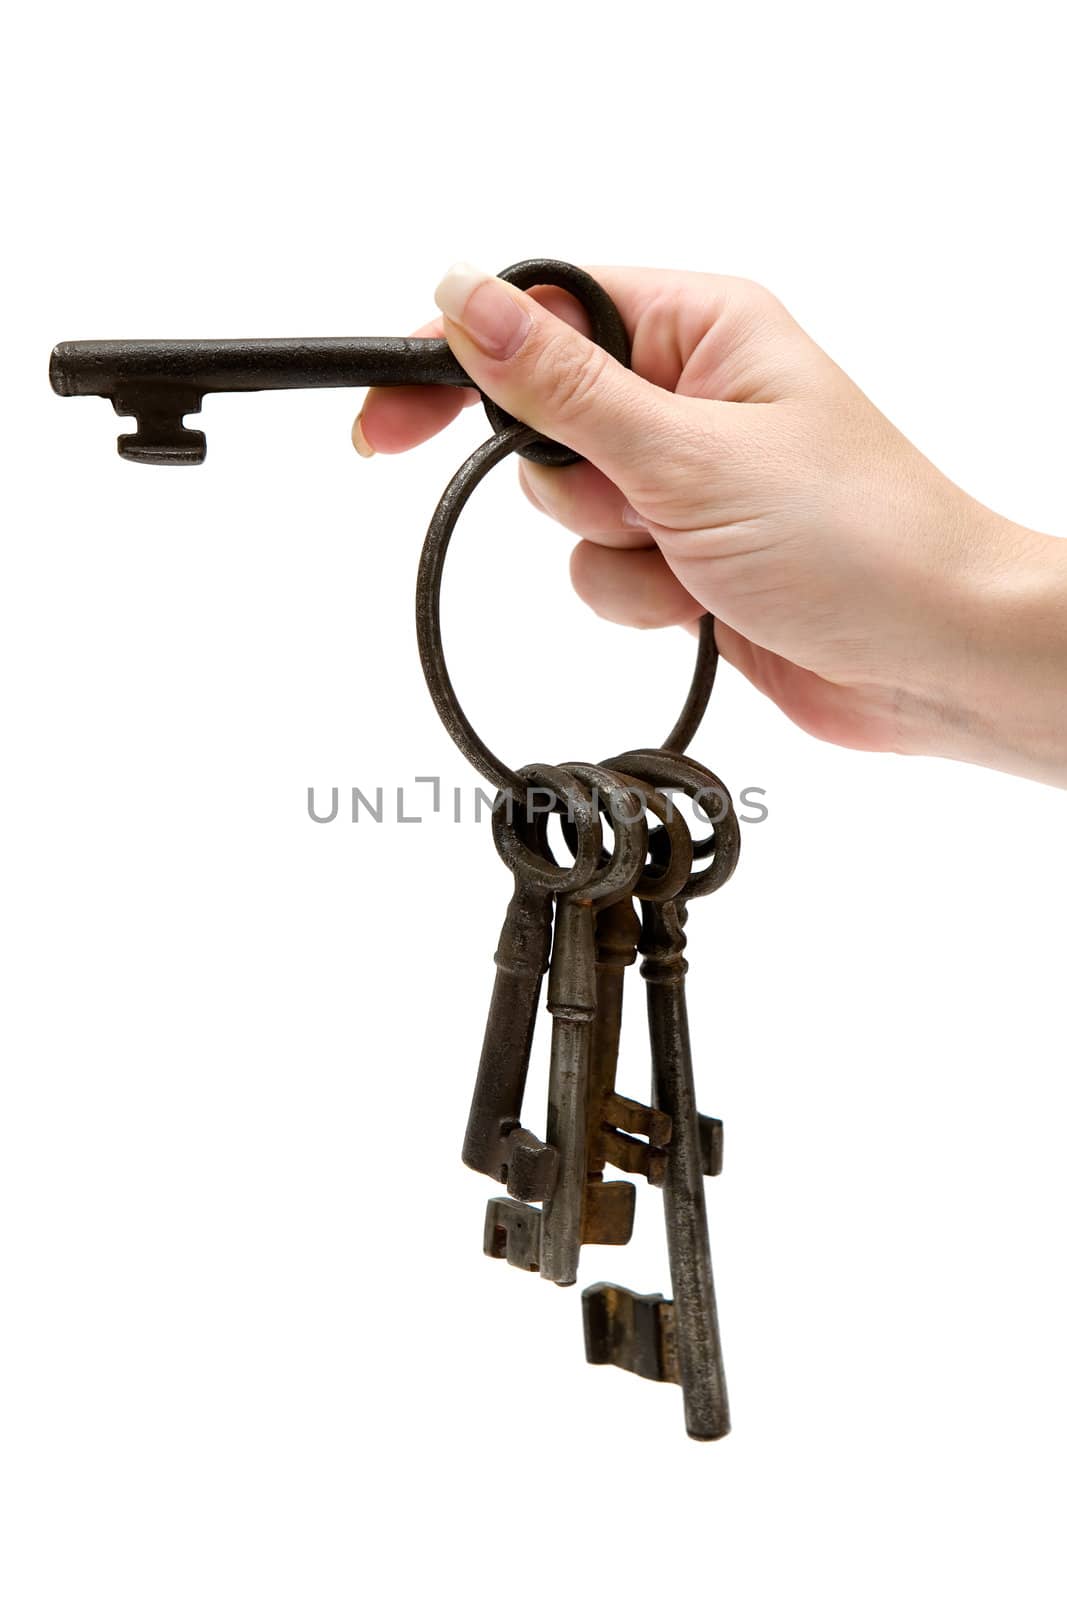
[
  {"x": 428, "y": 623},
  {"x": 669, "y": 769},
  {"x": 541, "y": 870},
  {"x": 606, "y": 328}
]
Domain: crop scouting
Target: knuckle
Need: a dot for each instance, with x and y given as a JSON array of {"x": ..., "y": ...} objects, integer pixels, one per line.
[
  {"x": 764, "y": 309},
  {"x": 568, "y": 376},
  {"x": 752, "y": 294}
]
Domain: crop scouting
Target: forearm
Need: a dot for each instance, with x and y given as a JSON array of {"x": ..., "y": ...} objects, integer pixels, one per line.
[{"x": 1005, "y": 702}]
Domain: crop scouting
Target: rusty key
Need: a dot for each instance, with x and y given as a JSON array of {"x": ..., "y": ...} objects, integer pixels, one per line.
[
  {"x": 679, "y": 1341},
  {"x": 496, "y": 1143},
  {"x": 548, "y": 1241},
  {"x": 159, "y": 382},
  {"x": 572, "y": 1000},
  {"x": 620, "y": 1131}
]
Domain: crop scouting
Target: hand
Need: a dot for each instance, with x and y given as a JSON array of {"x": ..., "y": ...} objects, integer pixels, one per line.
[{"x": 737, "y": 470}]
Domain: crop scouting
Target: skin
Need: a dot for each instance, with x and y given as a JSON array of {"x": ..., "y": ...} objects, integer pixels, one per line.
[{"x": 738, "y": 470}]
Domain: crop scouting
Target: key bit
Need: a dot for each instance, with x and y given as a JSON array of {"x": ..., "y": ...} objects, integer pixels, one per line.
[
  {"x": 513, "y": 1229},
  {"x": 632, "y": 1331},
  {"x": 646, "y": 1153},
  {"x": 633, "y": 1155},
  {"x": 630, "y": 1116},
  {"x": 513, "y": 1233},
  {"x": 711, "y": 1146},
  {"x": 529, "y": 1165},
  {"x": 608, "y": 1211}
]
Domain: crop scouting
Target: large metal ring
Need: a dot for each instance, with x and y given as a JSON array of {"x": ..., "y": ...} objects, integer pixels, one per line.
[{"x": 428, "y": 624}]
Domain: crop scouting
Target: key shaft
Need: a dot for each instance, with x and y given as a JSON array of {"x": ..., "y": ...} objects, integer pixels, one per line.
[
  {"x": 620, "y": 1131},
  {"x": 495, "y": 1141},
  {"x": 110, "y": 367},
  {"x": 696, "y": 1322},
  {"x": 572, "y": 1002},
  {"x": 572, "y": 999},
  {"x": 608, "y": 1207}
]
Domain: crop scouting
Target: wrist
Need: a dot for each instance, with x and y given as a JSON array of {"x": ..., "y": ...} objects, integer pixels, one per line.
[{"x": 1005, "y": 699}]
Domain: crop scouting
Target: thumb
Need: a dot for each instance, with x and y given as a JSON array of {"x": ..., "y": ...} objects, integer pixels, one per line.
[{"x": 545, "y": 372}]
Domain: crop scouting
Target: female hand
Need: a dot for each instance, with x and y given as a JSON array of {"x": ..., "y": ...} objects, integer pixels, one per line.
[{"x": 738, "y": 470}]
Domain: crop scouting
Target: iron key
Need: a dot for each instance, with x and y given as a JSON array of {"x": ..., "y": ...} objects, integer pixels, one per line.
[
  {"x": 495, "y": 1141},
  {"x": 572, "y": 1000},
  {"x": 689, "y": 1345}
]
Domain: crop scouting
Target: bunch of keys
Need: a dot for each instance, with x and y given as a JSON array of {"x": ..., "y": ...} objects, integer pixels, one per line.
[{"x": 584, "y": 922}]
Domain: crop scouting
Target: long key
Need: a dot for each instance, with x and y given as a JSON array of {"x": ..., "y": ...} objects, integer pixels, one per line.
[
  {"x": 161, "y": 381},
  {"x": 572, "y": 1000},
  {"x": 617, "y": 1128},
  {"x": 495, "y": 1141},
  {"x": 689, "y": 1345}
]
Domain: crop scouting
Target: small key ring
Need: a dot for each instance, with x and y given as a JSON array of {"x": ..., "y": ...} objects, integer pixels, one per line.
[
  {"x": 662, "y": 881},
  {"x": 669, "y": 769},
  {"x": 626, "y": 865},
  {"x": 542, "y": 871},
  {"x": 428, "y": 624}
]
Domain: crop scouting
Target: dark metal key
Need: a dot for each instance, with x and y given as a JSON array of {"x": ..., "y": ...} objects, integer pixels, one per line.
[
  {"x": 572, "y": 1000},
  {"x": 159, "y": 382},
  {"x": 680, "y": 1341},
  {"x": 496, "y": 1143},
  {"x": 620, "y": 1131}
]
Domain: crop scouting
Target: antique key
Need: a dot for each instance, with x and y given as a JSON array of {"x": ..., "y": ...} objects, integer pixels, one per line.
[
  {"x": 640, "y": 1332},
  {"x": 549, "y": 1240},
  {"x": 160, "y": 382},
  {"x": 576, "y": 920},
  {"x": 495, "y": 1142},
  {"x": 572, "y": 1000},
  {"x": 619, "y": 1127}
]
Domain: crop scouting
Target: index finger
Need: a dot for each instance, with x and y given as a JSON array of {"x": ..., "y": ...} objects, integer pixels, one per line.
[
  {"x": 393, "y": 420},
  {"x": 397, "y": 419}
]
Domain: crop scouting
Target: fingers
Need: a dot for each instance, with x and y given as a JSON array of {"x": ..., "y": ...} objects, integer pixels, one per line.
[
  {"x": 540, "y": 368},
  {"x": 638, "y": 589},
  {"x": 582, "y": 499},
  {"x": 635, "y": 587},
  {"x": 842, "y": 714},
  {"x": 393, "y": 420}
]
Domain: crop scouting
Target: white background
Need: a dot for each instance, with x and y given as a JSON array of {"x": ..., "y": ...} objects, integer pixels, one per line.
[{"x": 250, "y": 1344}]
